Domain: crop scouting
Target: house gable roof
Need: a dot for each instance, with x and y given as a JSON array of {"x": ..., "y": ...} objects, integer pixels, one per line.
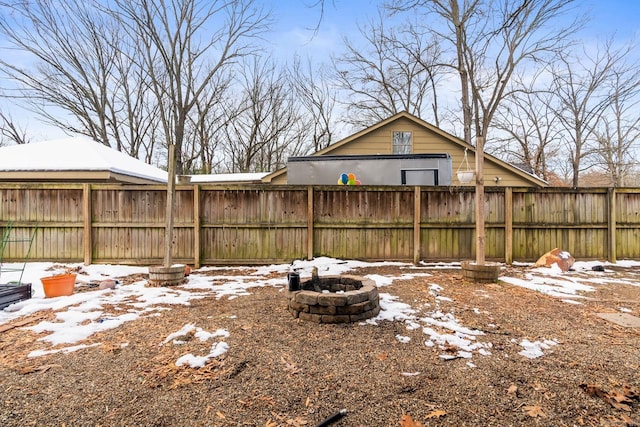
[
  {"x": 445, "y": 135},
  {"x": 75, "y": 158}
]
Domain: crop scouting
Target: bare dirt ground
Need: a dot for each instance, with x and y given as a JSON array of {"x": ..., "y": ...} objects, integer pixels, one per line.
[{"x": 279, "y": 371}]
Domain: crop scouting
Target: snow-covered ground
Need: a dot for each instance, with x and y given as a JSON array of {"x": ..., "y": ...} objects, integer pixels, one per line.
[{"x": 84, "y": 313}]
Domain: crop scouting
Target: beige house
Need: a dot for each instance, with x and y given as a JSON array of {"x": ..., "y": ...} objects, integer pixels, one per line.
[{"x": 404, "y": 133}]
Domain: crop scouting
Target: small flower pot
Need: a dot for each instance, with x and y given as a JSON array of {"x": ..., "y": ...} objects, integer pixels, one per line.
[
  {"x": 465, "y": 177},
  {"x": 58, "y": 285}
]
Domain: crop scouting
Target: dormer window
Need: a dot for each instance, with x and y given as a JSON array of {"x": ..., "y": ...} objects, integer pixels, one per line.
[{"x": 402, "y": 142}]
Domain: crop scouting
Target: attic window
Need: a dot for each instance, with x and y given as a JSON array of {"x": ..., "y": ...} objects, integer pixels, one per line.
[{"x": 402, "y": 142}]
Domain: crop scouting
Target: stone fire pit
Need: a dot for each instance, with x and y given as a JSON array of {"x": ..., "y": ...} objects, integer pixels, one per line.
[{"x": 335, "y": 299}]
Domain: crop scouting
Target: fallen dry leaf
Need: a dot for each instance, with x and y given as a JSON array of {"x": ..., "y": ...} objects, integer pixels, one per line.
[
  {"x": 270, "y": 423},
  {"x": 512, "y": 390},
  {"x": 297, "y": 422},
  {"x": 626, "y": 419},
  {"x": 615, "y": 398},
  {"x": 382, "y": 356},
  {"x": 41, "y": 368},
  {"x": 534, "y": 411},
  {"x": 220, "y": 415},
  {"x": 289, "y": 366},
  {"x": 593, "y": 390},
  {"x": 277, "y": 416},
  {"x": 618, "y": 396},
  {"x": 630, "y": 392},
  {"x": 618, "y": 405},
  {"x": 539, "y": 387},
  {"x": 407, "y": 421},
  {"x": 617, "y": 421},
  {"x": 437, "y": 414}
]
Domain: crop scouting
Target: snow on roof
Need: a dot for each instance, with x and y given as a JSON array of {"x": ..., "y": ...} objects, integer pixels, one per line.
[
  {"x": 228, "y": 177},
  {"x": 75, "y": 154}
]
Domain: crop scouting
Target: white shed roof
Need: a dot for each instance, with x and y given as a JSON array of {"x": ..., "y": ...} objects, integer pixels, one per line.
[
  {"x": 77, "y": 154},
  {"x": 228, "y": 177}
]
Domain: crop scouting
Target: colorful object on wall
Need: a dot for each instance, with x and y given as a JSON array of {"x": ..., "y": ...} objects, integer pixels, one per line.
[{"x": 348, "y": 179}]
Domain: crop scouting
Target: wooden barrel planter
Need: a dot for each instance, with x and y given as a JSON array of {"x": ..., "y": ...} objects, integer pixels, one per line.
[
  {"x": 58, "y": 285},
  {"x": 166, "y": 276},
  {"x": 487, "y": 272}
]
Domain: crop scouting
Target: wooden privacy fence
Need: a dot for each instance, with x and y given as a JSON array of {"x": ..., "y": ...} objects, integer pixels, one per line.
[{"x": 100, "y": 223}]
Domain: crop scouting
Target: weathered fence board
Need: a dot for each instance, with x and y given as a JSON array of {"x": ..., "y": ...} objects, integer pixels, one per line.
[
  {"x": 627, "y": 236},
  {"x": 362, "y": 224},
  {"x": 574, "y": 220},
  {"x": 262, "y": 224},
  {"x": 250, "y": 225}
]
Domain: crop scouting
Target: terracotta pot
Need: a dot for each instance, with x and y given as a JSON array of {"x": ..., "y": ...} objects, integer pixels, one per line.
[{"x": 58, "y": 285}]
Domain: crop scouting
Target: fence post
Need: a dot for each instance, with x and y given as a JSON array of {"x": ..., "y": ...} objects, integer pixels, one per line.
[
  {"x": 508, "y": 225},
  {"x": 196, "y": 226},
  {"x": 310, "y": 223},
  {"x": 416, "y": 224},
  {"x": 86, "y": 210},
  {"x": 611, "y": 226}
]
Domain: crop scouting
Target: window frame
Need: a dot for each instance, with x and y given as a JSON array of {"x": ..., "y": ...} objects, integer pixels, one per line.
[{"x": 408, "y": 148}]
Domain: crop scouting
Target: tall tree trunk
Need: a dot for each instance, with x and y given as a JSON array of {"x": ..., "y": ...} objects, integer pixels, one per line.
[
  {"x": 171, "y": 190},
  {"x": 480, "y": 236}
]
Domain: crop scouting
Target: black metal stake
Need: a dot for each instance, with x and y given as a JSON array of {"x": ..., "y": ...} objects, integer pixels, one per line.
[{"x": 333, "y": 418}]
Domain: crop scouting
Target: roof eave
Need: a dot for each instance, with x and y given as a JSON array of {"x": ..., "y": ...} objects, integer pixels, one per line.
[{"x": 75, "y": 175}]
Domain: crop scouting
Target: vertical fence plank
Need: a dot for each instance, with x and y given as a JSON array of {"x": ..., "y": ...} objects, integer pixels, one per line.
[
  {"x": 196, "y": 226},
  {"x": 86, "y": 213},
  {"x": 417, "y": 205},
  {"x": 508, "y": 225},
  {"x": 611, "y": 225},
  {"x": 310, "y": 222}
]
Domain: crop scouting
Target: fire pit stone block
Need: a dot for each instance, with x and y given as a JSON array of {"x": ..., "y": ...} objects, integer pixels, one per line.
[
  {"x": 337, "y": 300},
  {"x": 342, "y": 299}
]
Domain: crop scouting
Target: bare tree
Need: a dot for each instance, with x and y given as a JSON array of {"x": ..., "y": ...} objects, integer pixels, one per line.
[
  {"x": 133, "y": 120},
  {"x": 186, "y": 45},
  {"x": 618, "y": 131},
  {"x": 129, "y": 72},
  {"x": 204, "y": 125},
  {"x": 72, "y": 45},
  {"x": 317, "y": 98},
  {"x": 321, "y": 6},
  {"x": 11, "y": 131},
  {"x": 267, "y": 126},
  {"x": 395, "y": 71},
  {"x": 528, "y": 131},
  {"x": 580, "y": 84},
  {"x": 492, "y": 40},
  {"x": 81, "y": 62}
]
